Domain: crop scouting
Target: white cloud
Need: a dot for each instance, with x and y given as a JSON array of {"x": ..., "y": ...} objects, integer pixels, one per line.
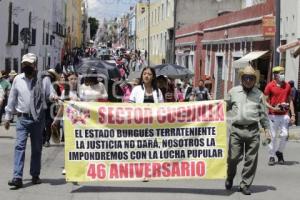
[{"x": 108, "y": 8}]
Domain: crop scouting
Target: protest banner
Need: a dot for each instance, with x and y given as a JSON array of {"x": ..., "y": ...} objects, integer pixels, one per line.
[{"x": 127, "y": 142}]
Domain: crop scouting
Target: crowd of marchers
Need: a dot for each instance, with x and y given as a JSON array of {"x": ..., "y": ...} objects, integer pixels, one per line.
[{"x": 33, "y": 99}]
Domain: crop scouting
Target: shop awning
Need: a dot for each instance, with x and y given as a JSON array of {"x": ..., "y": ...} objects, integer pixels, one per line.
[
  {"x": 285, "y": 47},
  {"x": 243, "y": 61}
]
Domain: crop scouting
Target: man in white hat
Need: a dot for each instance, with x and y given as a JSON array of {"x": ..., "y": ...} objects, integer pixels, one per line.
[
  {"x": 246, "y": 109},
  {"x": 27, "y": 97}
]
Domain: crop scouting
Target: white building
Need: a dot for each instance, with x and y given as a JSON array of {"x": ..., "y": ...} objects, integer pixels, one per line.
[
  {"x": 43, "y": 19},
  {"x": 131, "y": 28},
  {"x": 290, "y": 37},
  {"x": 58, "y": 32}
]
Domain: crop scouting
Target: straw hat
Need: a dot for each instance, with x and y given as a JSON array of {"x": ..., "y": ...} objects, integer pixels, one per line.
[
  {"x": 53, "y": 73},
  {"x": 248, "y": 70},
  {"x": 13, "y": 73}
]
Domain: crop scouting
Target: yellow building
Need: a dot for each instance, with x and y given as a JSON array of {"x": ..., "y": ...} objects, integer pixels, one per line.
[
  {"x": 161, "y": 19},
  {"x": 74, "y": 20}
]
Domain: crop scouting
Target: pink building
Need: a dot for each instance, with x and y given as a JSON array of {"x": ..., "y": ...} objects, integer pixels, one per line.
[{"x": 227, "y": 43}]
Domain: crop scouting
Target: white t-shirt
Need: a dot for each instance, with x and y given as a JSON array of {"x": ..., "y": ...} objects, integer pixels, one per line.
[{"x": 72, "y": 95}]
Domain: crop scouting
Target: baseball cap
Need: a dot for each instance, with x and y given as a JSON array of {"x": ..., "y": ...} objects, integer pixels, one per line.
[
  {"x": 30, "y": 57},
  {"x": 277, "y": 69}
]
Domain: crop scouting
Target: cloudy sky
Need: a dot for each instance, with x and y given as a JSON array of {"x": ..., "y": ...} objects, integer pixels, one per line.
[{"x": 109, "y": 8}]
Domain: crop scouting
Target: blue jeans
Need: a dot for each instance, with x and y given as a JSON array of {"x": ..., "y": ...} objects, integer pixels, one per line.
[{"x": 25, "y": 127}]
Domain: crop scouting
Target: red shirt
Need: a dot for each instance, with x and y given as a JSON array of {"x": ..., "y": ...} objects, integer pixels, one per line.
[{"x": 277, "y": 95}]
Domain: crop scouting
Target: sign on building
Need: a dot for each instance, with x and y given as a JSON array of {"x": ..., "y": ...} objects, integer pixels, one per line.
[{"x": 268, "y": 26}]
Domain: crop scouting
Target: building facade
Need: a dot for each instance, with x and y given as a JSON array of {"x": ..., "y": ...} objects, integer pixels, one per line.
[
  {"x": 132, "y": 28},
  {"x": 28, "y": 26},
  {"x": 39, "y": 27},
  {"x": 289, "y": 35},
  {"x": 222, "y": 45},
  {"x": 58, "y": 32},
  {"x": 74, "y": 25},
  {"x": 85, "y": 26},
  {"x": 159, "y": 16},
  {"x": 203, "y": 10},
  {"x": 189, "y": 30}
]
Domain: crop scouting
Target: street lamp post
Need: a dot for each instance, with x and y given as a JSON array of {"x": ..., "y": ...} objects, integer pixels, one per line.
[{"x": 148, "y": 55}]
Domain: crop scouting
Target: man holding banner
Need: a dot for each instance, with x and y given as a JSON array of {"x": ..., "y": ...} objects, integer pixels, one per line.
[{"x": 246, "y": 107}]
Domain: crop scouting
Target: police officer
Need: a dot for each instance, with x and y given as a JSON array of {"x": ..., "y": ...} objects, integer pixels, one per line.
[{"x": 246, "y": 109}]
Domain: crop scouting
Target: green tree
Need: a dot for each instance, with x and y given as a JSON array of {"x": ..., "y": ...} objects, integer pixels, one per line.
[{"x": 94, "y": 23}]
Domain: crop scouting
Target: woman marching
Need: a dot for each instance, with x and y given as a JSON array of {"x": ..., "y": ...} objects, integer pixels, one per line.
[
  {"x": 147, "y": 90},
  {"x": 70, "y": 93}
]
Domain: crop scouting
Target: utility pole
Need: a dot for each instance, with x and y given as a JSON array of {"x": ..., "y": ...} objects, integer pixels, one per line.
[
  {"x": 277, "y": 34},
  {"x": 174, "y": 33},
  {"x": 148, "y": 53}
]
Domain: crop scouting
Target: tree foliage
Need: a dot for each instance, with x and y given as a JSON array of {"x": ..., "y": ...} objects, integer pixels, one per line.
[{"x": 94, "y": 23}]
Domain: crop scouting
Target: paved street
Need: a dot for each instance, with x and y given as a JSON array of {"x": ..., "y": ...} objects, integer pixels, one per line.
[{"x": 278, "y": 182}]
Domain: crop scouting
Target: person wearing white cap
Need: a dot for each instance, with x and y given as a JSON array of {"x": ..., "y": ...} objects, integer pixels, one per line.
[
  {"x": 246, "y": 109},
  {"x": 27, "y": 97}
]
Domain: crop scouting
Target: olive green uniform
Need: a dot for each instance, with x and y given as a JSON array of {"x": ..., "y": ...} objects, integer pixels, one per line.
[{"x": 245, "y": 111}]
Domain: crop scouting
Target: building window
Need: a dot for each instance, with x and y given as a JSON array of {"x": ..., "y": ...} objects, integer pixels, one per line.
[
  {"x": 207, "y": 63},
  {"x": 186, "y": 61},
  {"x": 9, "y": 23},
  {"x": 33, "y": 37},
  {"x": 47, "y": 38},
  {"x": 191, "y": 63},
  {"x": 16, "y": 64},
  {"x": 167, "y": 8},
  {"x": 155, "y": 17},
  {"x": 157, "y": 44},
  {"x": 43, "y": 42},
  {"x": 51, "y": 39},
  {"x": 7, "y": 64},
  {"x": 152, "y": 17},
  {"x": 162, "y": 12},
  {"x": 162, "y": 44},
  {"x": 158, "y": 14},
  {"x": 15, "y": 34}
]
